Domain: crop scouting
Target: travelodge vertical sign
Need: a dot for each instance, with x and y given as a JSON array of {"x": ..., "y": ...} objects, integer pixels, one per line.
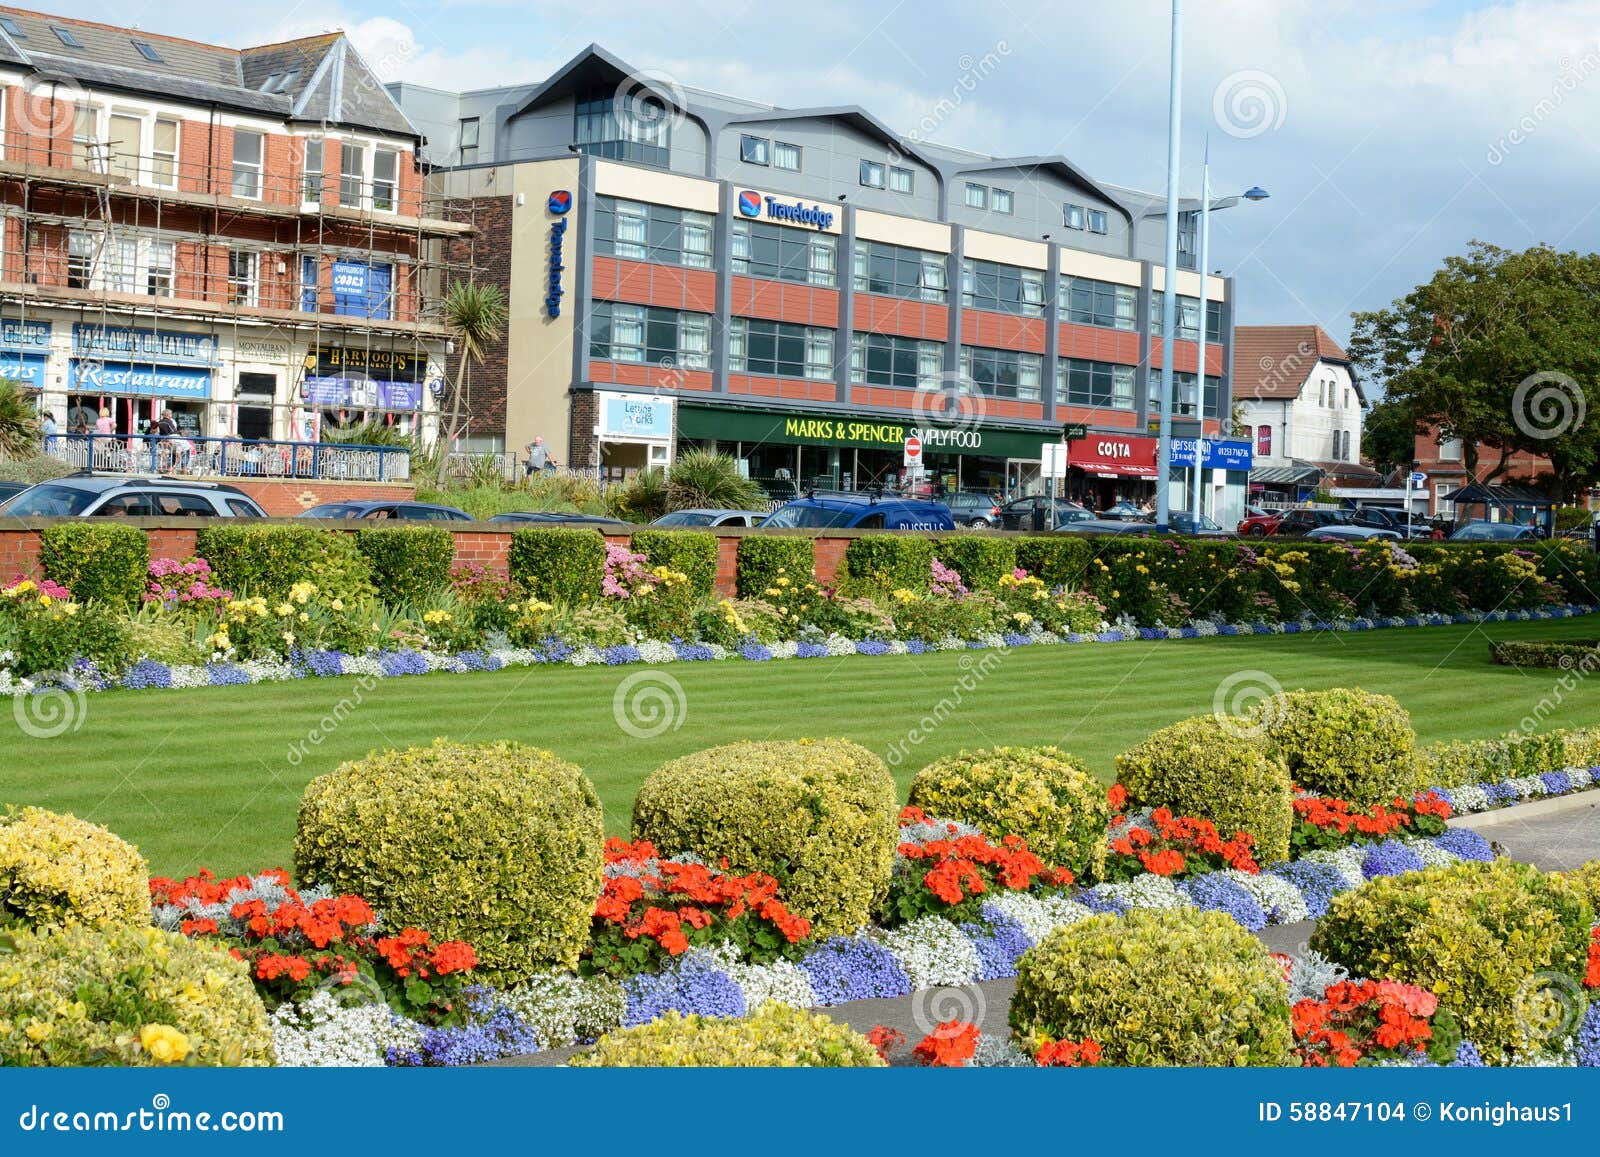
[{"x": 559, "y": 204}]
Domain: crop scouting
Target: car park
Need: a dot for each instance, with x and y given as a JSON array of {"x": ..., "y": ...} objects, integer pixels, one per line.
[
  {"x": 974, "y": 509},
  {"x": 711, "y": 517},
  {"x": 861, "y": 510},
  {"x": 409, "y": 511},
  {"x": 123, "y": 496}
]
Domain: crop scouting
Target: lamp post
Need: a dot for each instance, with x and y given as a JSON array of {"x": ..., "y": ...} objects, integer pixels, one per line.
[{"x": 1169, "y": 303}]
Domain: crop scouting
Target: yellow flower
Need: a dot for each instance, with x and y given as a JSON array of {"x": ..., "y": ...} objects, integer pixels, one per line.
[
  {"x": 304, "y": 618},
  {"x": 301, "y": 592},
  {"x": 165, "y": 1043},
  {"x": 38, "y": 1030},
  {"x": 285, "y": 610},
  {"x": 337, "y": 604},
  {"x": 44, "y": 600}
]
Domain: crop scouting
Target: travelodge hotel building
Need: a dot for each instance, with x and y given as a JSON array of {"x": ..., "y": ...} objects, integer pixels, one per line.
[{"x": 804, "y": 289}]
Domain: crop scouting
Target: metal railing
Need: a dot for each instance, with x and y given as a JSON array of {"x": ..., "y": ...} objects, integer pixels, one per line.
[{"x": 229, "y": 457}]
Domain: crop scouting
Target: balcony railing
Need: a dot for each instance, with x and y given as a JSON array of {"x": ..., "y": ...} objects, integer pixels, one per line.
[{"x": 229, "y": 457}]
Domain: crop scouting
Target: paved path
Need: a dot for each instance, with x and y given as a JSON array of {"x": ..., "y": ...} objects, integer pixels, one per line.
[{"x": 1556, "y": 835}]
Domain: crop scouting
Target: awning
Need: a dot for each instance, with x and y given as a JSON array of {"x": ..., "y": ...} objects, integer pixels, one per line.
[
  {"x": 1476, "y": 493},
  {"x": 1297, "y": 475},
  {"x": 1114, "y": 455}
]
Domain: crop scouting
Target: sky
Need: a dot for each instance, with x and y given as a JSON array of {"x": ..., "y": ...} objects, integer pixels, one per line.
[{"x": 1390, "y": 133}]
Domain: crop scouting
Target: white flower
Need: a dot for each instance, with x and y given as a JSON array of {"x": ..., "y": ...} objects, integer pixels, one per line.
[
  {"x": 1147, "y": 891},
  {"x": 1039, "y": 915},
  {"x": 1346, "y": 860},
  {"x": 934, "y": 953},
  {"x": 563, "y": 1009},
  {"x": 1282, "y": 901},
  {"x": 324, "y": 1033}
]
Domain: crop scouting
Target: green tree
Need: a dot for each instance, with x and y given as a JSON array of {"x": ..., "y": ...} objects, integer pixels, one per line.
[
  {"x": 476, "y": 316},
  {"x": 1389, "y": 435},
  {"x": 19, "y": 421},
  {"x": 1500, "y": 349}
]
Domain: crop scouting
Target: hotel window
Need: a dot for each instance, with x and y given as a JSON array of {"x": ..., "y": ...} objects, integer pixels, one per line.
[
  {"x": 467, "y": 133},
  {"x": 164, "y": 153},
  {"x": 86, "y": 151},
  {"x": 243, "y": 285},
  {"x": 1074, "y": 216},
  {"x": 785, "y": 156},
  {"x": 1002, "y": 373},
  {"x": 1450, "y": 449},
  {"x": 880, "y": 359},
  {"x": 901, "y": 180},
  {"x": 352, "y": 175},
  {"x": 83, "y": 251},
  {"x": 1001, "y": 200},
  {"x": 246, "y": 164},
  {"x": 872, "y": 174},
  {"x": 158, "y": 268},
  {"x": 779, "y": 349},
  {"x": 782, "y": 254},
  {"x": 1099, "y": 221},
  {"x": 1002, "y": 288},
  {"x": 638, "y": 232},
  {"x": 385, "y": 179},
  {"x": 977, "y": 196},
  {"x": 647, "y": 335},
  {"x": 642, "y": 134},
  {"x": 1102, "y": 385},
  {"x": 895, "y": 271},
  {"x": 1188, "y": 317},
  {"x": 1089, "y": 302},
  {"x": 1183, "y": 387},
  {"x": 753, "y": 150},
  {"x": 312, "y": 176},
  {"x": 1188, "y": 238}
]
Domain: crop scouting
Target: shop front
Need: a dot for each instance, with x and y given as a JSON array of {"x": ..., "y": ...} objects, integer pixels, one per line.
[
  {"x": 1225, "y": 466},
  {"x": 352, "y": 386},
  {"x": 134, "y": 376},
  {"x": 634, "y": 432},
  {"x": 24, "y": 352},
  {"x": 1104, "y": 469},
  {"x": 792, "y": 451}
]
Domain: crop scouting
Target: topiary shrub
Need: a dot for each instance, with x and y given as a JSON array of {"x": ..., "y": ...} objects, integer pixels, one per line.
[
  {"x": 819, "y": 815},
  {"x": 763, "y": 556},
  {"x": 495, "y": 844},
  {"x": 774, "y": 1036},
  {"x": 558, "y": 564},
  {"x": 694, "y": 552},
  {"x": 980, "y": 559},
  {"x": 268, "y": 560},
  {"x": 1042, "y": 794},
  {"x": 1157, "y": 987},
  {"x": 888, "y": 562},
  {"x": 97, "y": 561},
  {"x": 58, "y": 869},
  {"x": 1057, "y": 560},
  {"x": 1219, "y": 770},
  {"x": 123, "y": 995},
  {"x": 410, "y": 564},
  {"x": 1346, "y": 743},
  {"x": 1496, "y": 942}
]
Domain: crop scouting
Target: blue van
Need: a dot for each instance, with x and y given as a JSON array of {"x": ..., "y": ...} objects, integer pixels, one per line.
[{"x": 864, "y": 510}]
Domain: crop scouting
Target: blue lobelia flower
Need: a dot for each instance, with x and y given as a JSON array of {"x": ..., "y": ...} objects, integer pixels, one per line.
[
  {"x": 849, "y": 968},
  {"x": 1000, "y": 942},
  {"x": 1465, "y": 844},
  {"x": 872, "y": 647},
  {"x": 1216, "y": 893},
  {"x": 696, "y": 985},
  {"x": 621, "y": 653},
  {"x": 147, "y": 673},
  {"x": 1390, "y": 858},
  {"x": 1318, "y": 883},
  {"x": 402, "y": 662},
  {"x": 226, "y": 674}
]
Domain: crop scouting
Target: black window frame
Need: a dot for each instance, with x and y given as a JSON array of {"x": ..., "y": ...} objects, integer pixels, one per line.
[
  {"x": 663, "y": 233},
  {"x": 997, "y": 373},
  {"x": 1090, "y": 301},
  {"x": 746, "y": 139},
  {"x": 997, "y": 288},
  {"x": 780, "y": 253}
]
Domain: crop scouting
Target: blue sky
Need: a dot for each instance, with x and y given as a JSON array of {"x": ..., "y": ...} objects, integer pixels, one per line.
[{"x": 1389, "y": 132}]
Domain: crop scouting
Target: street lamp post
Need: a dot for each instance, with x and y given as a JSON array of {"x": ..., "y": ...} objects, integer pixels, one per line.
[{"x": 1169, "y": 303}]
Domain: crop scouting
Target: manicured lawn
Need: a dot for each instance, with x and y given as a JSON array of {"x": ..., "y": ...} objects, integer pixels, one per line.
[{"x": 213, "y": 777}]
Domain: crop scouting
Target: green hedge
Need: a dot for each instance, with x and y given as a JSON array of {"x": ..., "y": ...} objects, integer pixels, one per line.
[
  {"x": 980, "y": 559},
  {"x": 410, "y": 564},
  {"x": 105, "y": 562},
  {"x": 887, "y": 562},
  {"x": 1576, "y": 655},
  {"x": 558, "y": 564},
  {"x": 694, "y": 552},
  {"x": 268, "y": 560},
  {"x": 762, "y": 556},
  {"x": 1455, "y": 763},
  {"x": 1060, "y": 560}
]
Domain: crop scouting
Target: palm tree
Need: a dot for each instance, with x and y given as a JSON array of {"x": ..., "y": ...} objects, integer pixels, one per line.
[
  {"x": 19, "y": 421},
  {"x": 475, "y": 315}
]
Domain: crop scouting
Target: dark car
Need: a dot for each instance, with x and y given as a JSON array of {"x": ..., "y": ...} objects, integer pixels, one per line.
[
  {"x": 411, "y": 511},
  {"x": 120, "y": 496},
  {"x": 1389, "y": 518},
  {"x": 1182, "y": 522},
  {"x": 1034, "y": 511},
  {"x": 970, "y": 508},
  {"x": 9, "y": 490},
  {"x": 863, "y": 511},
  {"x": 1108, "y": 526},
  {"x": 1495, "y": 532},
  {"x": 1298, "y": 522},
  {"x": 556, "y": 518},
  {"x": 1124, "y": 511}
]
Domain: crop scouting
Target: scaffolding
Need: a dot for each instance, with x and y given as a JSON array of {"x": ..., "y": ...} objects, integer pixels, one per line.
[{"x": 148, "y": 242}]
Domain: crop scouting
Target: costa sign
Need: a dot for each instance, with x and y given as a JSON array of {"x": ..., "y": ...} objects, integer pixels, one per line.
[{"x": 1127, "y": 456}]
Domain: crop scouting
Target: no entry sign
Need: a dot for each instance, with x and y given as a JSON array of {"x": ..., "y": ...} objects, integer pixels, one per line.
[{"x": 913, "y": 451}]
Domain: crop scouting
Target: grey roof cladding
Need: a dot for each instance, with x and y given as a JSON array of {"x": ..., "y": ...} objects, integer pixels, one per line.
[{"x": 347, "y": 94}]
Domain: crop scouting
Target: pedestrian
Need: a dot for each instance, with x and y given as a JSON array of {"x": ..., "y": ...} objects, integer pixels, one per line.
[
  {"x": 48, "y": 424},
  {"x": 103, "y": 424},
  {"x": 538, "y": 456},
  {"x": 167, "y": 426}
]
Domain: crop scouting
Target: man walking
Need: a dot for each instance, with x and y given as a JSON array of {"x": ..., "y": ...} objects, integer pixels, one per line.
[{"x": 538, "y": 456}]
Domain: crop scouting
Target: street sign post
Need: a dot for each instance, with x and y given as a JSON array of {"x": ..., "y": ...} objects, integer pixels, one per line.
[{"x": 913, "y": 455}]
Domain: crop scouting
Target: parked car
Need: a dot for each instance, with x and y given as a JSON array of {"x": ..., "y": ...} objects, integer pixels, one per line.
[
  {"x": 1295, "y": 523},
  {"x": 1107, "y": 526},
  {"x": 423, "y": 511},
  {"x": 1352, "y": 533},
  {"x": 1258, "y": 522},
  {"x": 711, "y": 517},
  {"x": 9, "y": 490},
  {"x": 1123, "y": 511},
  {"x": 1182, "y": 522},
  {"x": 862, "y": 511},
  {"x": 556, "y": 518},
  {"x": 1023, "y": 513},
  {"x": 120, "y": 496},
  {"x": 1481, "y": 531},
  {"x": 970, "y": 508},
  {"x": 1389, "y": 518}
]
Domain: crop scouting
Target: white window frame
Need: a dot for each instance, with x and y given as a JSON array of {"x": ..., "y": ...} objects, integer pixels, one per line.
[
  {"x": 392, "y": 183},
  {"x": 363, "y": 187},
  {"x": 87, "y": 150},
  {"x": 131, "y": 168},
  {"x": 976, "y": 196},
  {"x": 313, "y": 182},
  {"x": 158, "y": 258},
  {"x": 256, "y": 169},
  {"x": 251, "y": 283},
  {"x": 161, "y": 155},
  {"x": 995, "y": 196}
]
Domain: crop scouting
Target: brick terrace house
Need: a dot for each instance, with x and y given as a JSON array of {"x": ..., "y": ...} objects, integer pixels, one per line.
[{"x": 236, "y": 235}]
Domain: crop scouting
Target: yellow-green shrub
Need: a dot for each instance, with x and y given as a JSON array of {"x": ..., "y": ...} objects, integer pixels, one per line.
[
  {"x": 1485, "y": 938},
  {"x": 1586, "y": 879},
  {"x": 1219, "y": 770},
  {"x": 495, "y": 844},
  {"x": 1042, "y": 794},
  {"x": 1156, "y": 987},
  {"x": 58, "y": 869},
  {"x": 1346, "y": 743},
  {"x": 774, "y": 1036},
  {"x": 123, "y": 995},
  {"x": 819, "y": 815}
]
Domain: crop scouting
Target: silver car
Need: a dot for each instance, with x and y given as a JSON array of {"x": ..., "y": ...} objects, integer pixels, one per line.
[
  {"x": 119, "y": 496},
  {"x": 710, "y": 517}
]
